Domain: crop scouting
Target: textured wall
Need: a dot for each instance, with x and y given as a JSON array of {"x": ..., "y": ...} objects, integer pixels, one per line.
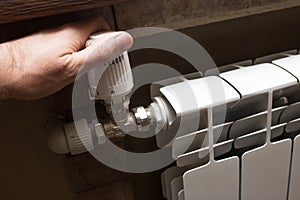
[{"x": 29, "y": 170}]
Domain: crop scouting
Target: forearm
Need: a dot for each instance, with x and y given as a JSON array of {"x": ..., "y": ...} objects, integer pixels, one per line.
[{"x": 6, "y": 71}]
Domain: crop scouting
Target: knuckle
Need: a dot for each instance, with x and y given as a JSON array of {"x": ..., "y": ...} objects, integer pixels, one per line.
[
  {"x": 101, "y": 18},
  {"x": 71, "y": 66},
  {"x": 68, "y": 29},
  {"x": 63, "y": 68},
  {"x": 64, "y": 28},
  {"x": 101, "y": 23}
]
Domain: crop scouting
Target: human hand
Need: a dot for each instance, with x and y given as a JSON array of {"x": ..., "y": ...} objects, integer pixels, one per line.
[{"x": 43, "y": 63}]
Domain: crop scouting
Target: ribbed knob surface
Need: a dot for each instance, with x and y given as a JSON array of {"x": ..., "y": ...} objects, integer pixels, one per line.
[
  {"x": 79, "y": 137},
  {"x": 116, "y": 80}
]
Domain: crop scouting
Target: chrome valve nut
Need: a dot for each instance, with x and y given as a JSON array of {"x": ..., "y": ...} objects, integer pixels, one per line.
[{"x": 141, "y": 116}]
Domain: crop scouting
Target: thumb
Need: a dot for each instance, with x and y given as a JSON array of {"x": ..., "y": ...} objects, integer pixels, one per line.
[{"x": 104, "y": 49}]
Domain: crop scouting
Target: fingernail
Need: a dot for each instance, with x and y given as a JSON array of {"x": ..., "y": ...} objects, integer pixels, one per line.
[{"x": 125, "y": 41}]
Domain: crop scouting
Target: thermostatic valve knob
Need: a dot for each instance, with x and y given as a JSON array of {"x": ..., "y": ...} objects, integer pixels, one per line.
[{"x": 116, "y": 81}]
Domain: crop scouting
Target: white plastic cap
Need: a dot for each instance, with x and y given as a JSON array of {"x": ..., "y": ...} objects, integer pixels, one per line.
[
  {"x": 115, "y": 81},
  {"x": 79, "y": 137}
]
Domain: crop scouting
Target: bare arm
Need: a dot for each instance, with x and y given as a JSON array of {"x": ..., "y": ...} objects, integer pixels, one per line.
[
  {"x": 6, "y": 73},
  {"x": 43, "y": 63}
]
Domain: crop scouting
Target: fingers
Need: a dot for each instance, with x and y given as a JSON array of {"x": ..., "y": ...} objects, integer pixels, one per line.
[
  {"x": 103, "y": 50},
  {"x": 91, "y": 25},
  {"x": 84, "y": 28}
]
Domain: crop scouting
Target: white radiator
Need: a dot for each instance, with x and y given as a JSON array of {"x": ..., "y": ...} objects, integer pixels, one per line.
[{"x": 256, "y": 155}]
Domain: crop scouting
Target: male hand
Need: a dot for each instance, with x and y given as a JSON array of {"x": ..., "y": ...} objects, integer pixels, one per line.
[{"x": 41, "y": 64}]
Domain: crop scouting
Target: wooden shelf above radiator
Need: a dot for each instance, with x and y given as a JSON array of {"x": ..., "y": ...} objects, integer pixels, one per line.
[{"x": 16, "y": 10}]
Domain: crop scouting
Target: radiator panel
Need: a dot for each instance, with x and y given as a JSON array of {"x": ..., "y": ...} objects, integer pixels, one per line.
[
  {"x": 265, "y": 172},
  {"x": 294, "y": 193},
  {"x": 218, "y": 180},
  {"x": 256, "y": 172}
]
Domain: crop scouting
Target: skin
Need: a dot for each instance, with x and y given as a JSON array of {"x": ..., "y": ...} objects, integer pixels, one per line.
[{"x": 43, "y": 63}]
